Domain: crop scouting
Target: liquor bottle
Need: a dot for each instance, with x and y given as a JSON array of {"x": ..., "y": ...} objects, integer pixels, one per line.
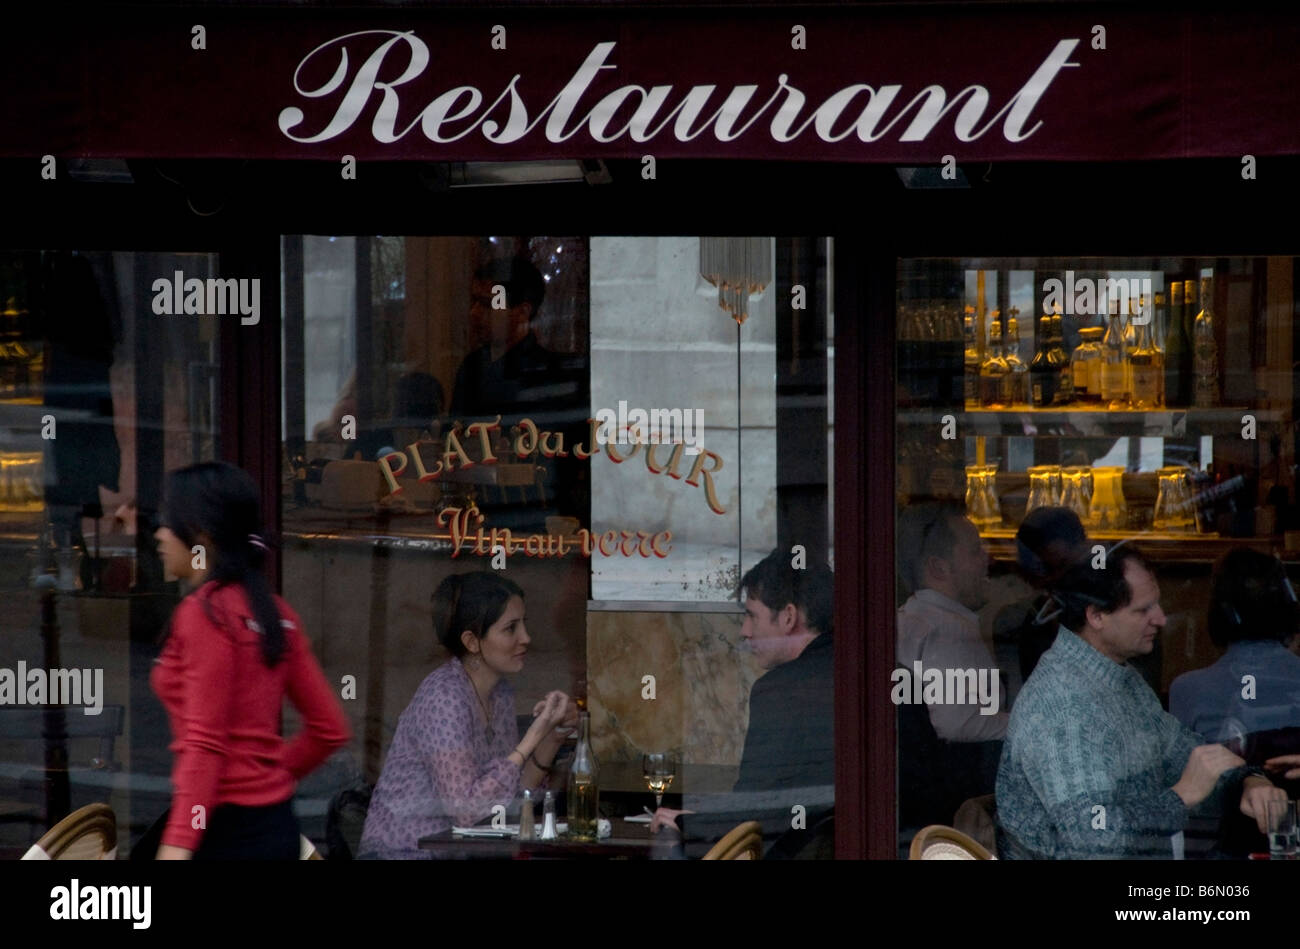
[
  {"x": 1086, "y": 363},
  {"x": 1190, "y": 309},
  {"x": 972, "y": 376},
  {"x": 1130, "y": 343},
  {"x": 33, "y": 357},
  {"x": 11, "y": 367},
  {"x": 1145, "y": 370},
  {"x": 1114, "y": 364},
  {"x": 583, "y": 794},
  {"x": 1178, "y": 352},
  {"x": 994, "y": 368},
  {"x": 1060, "y": 360},
  {"x": 1158, "y": 334},
  {"x": 1043, "y": 378},
  {"x": 1206, "y": 351},
  {"x": 1015, "y": 384}
]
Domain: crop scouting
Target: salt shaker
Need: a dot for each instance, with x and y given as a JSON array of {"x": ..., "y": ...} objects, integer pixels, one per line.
[
  {"x": 548, "y": 816},
  {"x": 527, "y": 825}
]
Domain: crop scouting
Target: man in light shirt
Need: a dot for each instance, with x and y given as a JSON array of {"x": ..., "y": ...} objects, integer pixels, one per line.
[
  {"x": 945, "y": 565},
  {"x": 949, "y": 748}
]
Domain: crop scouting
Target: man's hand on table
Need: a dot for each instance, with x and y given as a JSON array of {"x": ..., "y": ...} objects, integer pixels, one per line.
[
  {"x": 666, "y": 817},
  {"x": 1256, "y": 792},
  {"x": 1282, "y": 762}
]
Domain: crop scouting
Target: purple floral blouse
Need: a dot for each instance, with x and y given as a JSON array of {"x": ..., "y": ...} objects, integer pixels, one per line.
[{"x": 444, "y": 768}]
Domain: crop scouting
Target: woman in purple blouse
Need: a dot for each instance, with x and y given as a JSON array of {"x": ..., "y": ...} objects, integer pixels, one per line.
[{"x": 457, "y": 751}]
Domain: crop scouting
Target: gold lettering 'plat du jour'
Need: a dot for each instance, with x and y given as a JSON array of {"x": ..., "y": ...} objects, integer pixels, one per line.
[{"x": 550, "y": 445}]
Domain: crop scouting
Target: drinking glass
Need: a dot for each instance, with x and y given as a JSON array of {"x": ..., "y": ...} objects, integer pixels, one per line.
[
  {"x": 659, "y": 770},
  {"x": 1281, "y": 830},
  {"x": 982, "y": 506},
  {"x": 1108, "y": 510},
  {"x": 1043, "y": 482},
  {"x": 1074, "y": 493},
  {"x": 992, "y": 509},
  {"x": 1173, "y": 501}
]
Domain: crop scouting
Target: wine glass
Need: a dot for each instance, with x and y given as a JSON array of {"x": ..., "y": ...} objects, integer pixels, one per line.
[{"x": 659, "y": 770}]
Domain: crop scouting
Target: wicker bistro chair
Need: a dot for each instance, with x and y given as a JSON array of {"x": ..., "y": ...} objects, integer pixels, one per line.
[
  {"x": 938, "y": 842},
  {"x": 86, "y": 834},
  {"x": 742, "y": 842}
]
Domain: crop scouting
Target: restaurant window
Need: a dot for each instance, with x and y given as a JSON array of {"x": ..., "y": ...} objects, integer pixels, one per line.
[
  {"x": 1051, "y": 411},
  {"x": 643, "y": 450},
  {"x": 106, "y": 383}
]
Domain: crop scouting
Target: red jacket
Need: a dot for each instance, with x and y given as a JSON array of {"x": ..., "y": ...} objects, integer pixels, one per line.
[{"x": 224, "y": 705}]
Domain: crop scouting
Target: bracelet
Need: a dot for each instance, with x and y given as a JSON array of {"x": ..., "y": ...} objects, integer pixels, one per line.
[{"x": 542, "y": 767}]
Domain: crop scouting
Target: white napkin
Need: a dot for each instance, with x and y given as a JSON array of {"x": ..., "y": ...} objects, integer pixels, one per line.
[{"x": 509, "y": 830}]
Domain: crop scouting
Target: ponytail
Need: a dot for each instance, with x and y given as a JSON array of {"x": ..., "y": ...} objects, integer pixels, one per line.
[{"x": 221, "y": 501}]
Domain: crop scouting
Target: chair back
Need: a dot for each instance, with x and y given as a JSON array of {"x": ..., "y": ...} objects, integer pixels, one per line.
[
  {"x": 977, "y": 819},
  {"x": 346, "y": 821},
  {"x": 86, "y": 834},
  {"x": 815, "y": 843},
  {"x": 938, "y": 842},
  {"x": 742, "y": 842}
]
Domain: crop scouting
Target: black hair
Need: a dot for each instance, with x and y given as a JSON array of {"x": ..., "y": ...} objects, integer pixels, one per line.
[
  {"x": 1102, "y": 587},
  {"x": 774, "y": 582},
  {"x": 925, "y": 530},
  {"x": 1251, "y": 599},
  {"x": 221, "y": 501},
  {"x": 522, "y": 281},
  {"x": 1049, "y": 541},
  {"x": 472, "y": 601}
]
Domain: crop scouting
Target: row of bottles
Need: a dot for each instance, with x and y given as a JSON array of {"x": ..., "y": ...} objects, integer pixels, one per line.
[
  {"x": 22, "y": 360},
  {"x": 1119, "y": 366}
]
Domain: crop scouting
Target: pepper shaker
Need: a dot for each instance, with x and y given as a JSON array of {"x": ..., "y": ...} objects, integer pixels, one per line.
[{"x": 527, "y": 822}]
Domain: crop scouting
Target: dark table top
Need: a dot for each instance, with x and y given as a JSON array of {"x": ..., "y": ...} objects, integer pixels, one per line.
[{"x": 628, "y": 841}]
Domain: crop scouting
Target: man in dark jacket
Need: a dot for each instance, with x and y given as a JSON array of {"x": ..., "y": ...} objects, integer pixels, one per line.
[{"x": 787, "y": 768}]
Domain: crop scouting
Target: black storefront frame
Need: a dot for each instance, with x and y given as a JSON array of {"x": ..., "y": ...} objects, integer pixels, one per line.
[{"x": 1199, "y": 208}]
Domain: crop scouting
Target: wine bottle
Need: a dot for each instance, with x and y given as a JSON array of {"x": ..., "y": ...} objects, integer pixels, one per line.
[
  {"x": 1178, "y": 352},
  {"x": 1060, "y": 360},
  {"x": 1114, "y": 370},
  {"x": 1206, "y": 351},
  {"x": 1015, "y": 384},
  {"x": 971, "y": 385},
  {"x": 1157, "y": 339},
  {"x": 1144, "y": 368},
  {"x": 1130, "y": 344},
  {"x": 994, "y": 368},
  {"x": 583, "y": 793},
  {"x": 1043, "y": 376}
]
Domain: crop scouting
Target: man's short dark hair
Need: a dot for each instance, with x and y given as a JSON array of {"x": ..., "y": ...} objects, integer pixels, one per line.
[
  {"x": 522, "y": 281},
  {"x": 1102, "y": 587},
  {"x": 1251, "y": 599},
  {"x": 925, "y": 529},
  {"x": 1048, "y": 542},
  {"x": 774, "y": 582}
]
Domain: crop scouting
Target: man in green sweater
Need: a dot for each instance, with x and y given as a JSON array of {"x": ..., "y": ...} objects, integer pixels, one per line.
[{"x": 1092, "y": 765}]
